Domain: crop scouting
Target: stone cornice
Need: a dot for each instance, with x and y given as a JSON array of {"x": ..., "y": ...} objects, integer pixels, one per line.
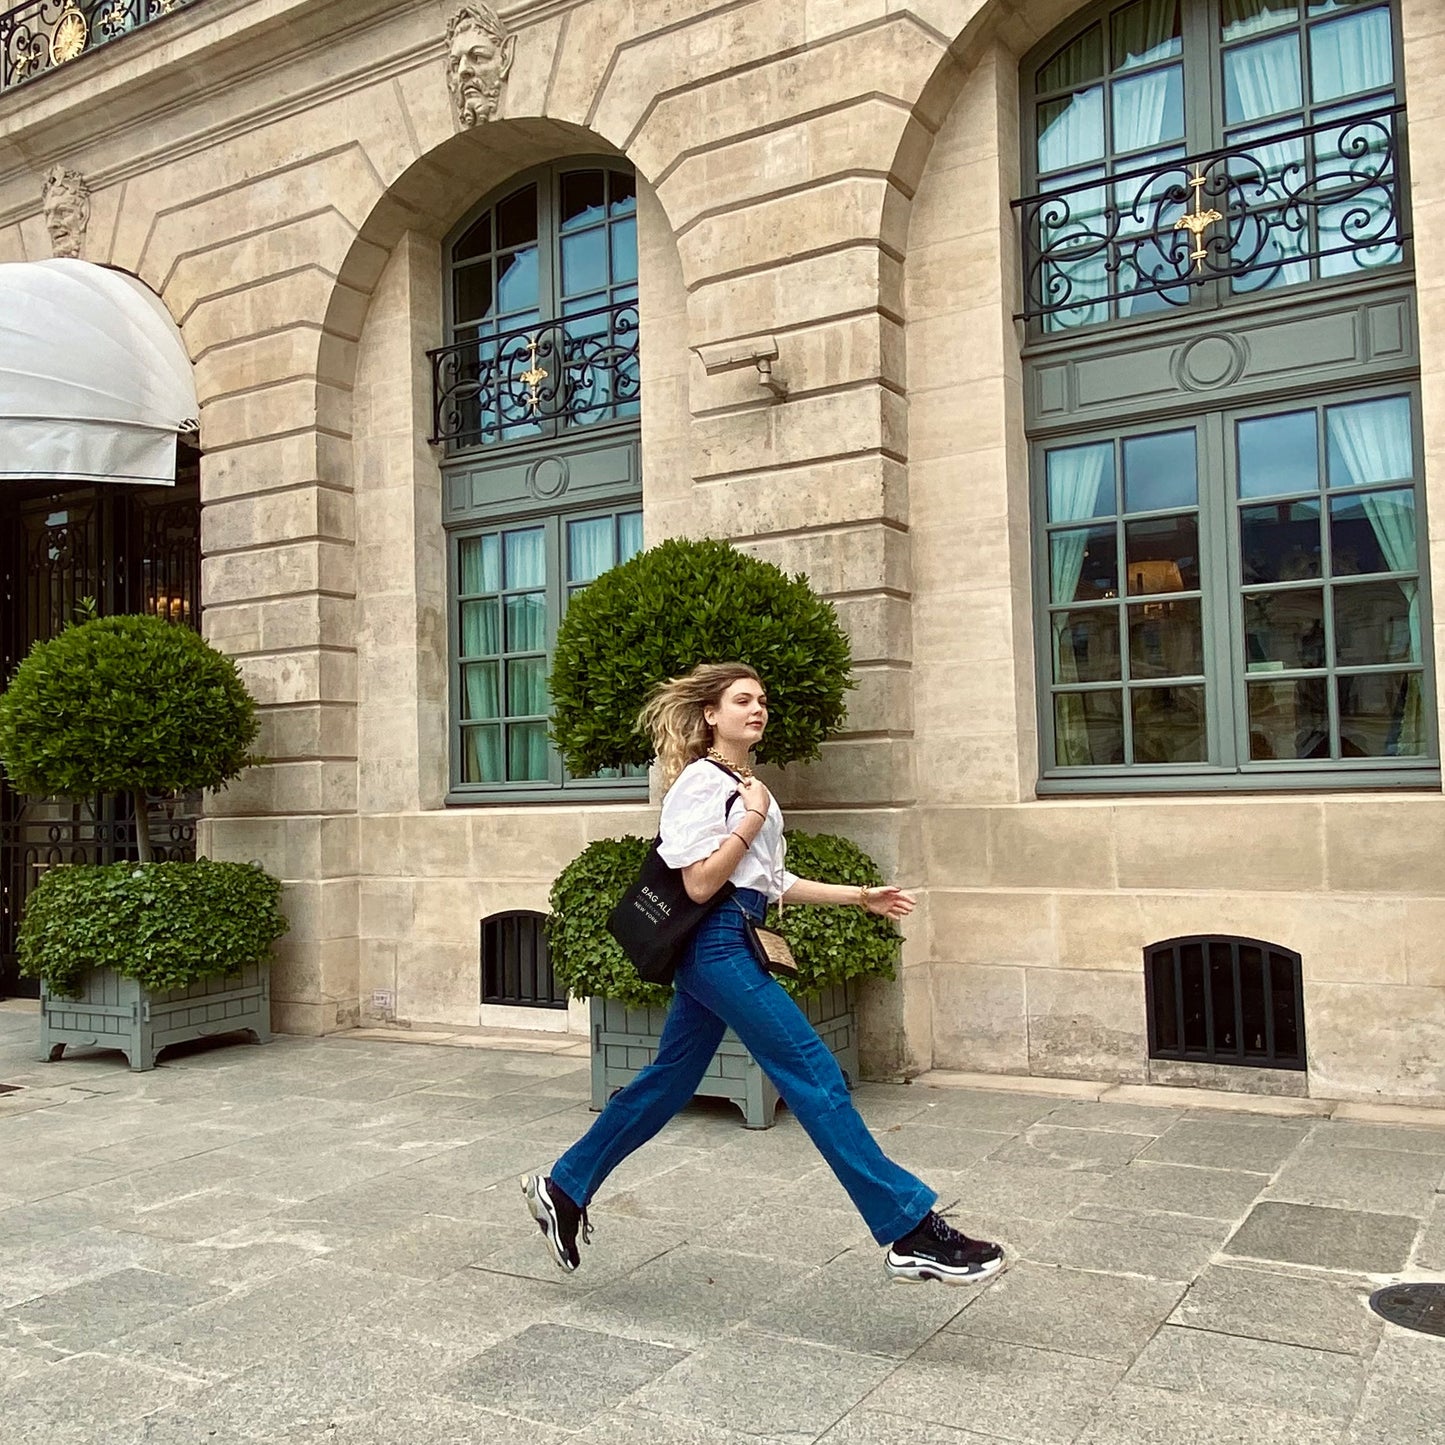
[{"x": 165, "y": 67}]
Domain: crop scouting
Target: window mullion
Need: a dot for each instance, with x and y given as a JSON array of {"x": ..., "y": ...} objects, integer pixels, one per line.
[
  {"x": 555, "y": 573},
  {"x": 1221, "y": 579},
  {"x": 1121, "y": 606},
  {"x": 1043, "y": 625},
  {"x": 1203, "y": 101},
  {"x": 1327, "y": 581}
]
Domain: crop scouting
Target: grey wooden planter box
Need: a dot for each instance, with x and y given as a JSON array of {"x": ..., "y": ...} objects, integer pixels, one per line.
[
  {"x": 624, "y": 1042},
  {"x": 117, "y": 1013}
]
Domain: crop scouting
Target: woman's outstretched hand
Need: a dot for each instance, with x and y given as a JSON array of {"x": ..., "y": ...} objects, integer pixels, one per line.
[{"x": 888, "y": 901}]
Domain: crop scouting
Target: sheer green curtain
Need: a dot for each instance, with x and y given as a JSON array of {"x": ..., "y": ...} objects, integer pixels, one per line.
[
  {"x": 1077, "y": 477},
  {"x": 1372, "y": 443},
  {"x": 1071, "y": 140},
  {"x": 590, "y": 549},
  {"x": 1351, "y": 55},
  {"x": 1147, "y": 108}
]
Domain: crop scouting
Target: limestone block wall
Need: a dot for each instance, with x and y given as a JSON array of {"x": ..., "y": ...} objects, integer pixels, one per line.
[
  {"x": 282, "y": 174},
  {"x": 832, "y": 176},
  {"x": 1040, "y": 909}
]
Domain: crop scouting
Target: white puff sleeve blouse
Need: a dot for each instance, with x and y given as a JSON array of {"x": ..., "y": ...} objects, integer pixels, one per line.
[{"x": 696, "y": 820}]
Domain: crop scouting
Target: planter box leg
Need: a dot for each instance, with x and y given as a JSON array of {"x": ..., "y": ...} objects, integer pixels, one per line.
[
  {"x": 600, "y": 1090},
  {"x": 760, "y": 1101}
]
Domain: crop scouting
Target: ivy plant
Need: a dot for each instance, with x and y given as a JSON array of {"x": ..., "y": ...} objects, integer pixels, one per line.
[
  {"x": 831, "y": 945},
  {"x": 130, "y": 704},
  {"x": 167, "y": 925},
  {"x": 678, "y": 604}
]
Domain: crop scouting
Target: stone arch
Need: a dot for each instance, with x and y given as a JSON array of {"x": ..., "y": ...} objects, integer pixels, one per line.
[
  {"x": 428, "y": 198},
  {"x": 384, "y": 311}
]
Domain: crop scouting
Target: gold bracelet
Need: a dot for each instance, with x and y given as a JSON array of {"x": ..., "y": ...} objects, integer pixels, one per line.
[{"x": 862, "y": 898}]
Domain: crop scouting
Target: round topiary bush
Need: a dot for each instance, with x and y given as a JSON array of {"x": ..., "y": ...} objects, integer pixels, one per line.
[
  {"x": 131, "y": 705},
  {"x": 676, "y": 605},
  {"x": 831, "y": 945},
  {"x": 168, "y": 925}
]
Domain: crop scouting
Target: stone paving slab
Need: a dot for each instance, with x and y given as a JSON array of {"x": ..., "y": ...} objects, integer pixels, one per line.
[
  {"x": 1352, "y": 1240},
  {"x": 321, "y": 1242},
  {"x": 1319, "y": 1313}
]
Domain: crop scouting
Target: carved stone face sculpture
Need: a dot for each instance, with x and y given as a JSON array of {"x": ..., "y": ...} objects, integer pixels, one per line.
[
  {"x": 66, "y": 203},
  {"x": 479, "y": 55}
]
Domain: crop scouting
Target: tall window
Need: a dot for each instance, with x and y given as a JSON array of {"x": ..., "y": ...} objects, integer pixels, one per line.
[
  {"x": 1304, "y": 646},
  {"x": 537, "y": 399},
  {"x": 1223, "y": 400}
]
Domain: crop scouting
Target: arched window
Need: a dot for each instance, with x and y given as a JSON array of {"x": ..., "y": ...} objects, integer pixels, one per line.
[
  {"x": 537, "y": 398},
  {"x": 1222, "y": 397},
  {"x": 1246, "y": 145},
  {"x": 542, "y": 310}
]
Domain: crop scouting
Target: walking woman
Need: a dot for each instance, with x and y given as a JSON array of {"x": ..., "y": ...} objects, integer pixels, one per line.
[{"x": 719, "y": 825}]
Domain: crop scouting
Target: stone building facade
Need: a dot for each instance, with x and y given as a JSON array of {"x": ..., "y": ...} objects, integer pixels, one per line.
[{"x": 860, "y": 359}]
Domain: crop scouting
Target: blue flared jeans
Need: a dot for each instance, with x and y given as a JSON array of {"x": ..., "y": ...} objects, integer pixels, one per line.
[{"x": 720, "y": 985}]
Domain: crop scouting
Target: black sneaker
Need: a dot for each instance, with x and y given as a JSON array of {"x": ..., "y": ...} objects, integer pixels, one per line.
[
  {"x": 934, "y": 1249},
  {"x": 557, "y": 1217}
]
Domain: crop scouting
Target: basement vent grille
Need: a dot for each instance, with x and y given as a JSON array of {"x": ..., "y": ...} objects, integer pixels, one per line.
[
  {"x": 515, "y": 967},
  {"x": 1217, "y": 999}
]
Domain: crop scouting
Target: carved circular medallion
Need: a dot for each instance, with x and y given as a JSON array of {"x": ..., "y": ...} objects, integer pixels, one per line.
[
  {"x": 1210, "y": 361},
  {"x": 548, "y": 478},
  {"x": 68, "y": 41}
]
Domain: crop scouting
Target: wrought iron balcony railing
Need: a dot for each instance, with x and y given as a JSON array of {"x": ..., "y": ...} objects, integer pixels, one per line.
[
  {"x": 1320, "y": 201},
  {"x": 537, "y": 379},
  {"x": 42, "y": 35}
]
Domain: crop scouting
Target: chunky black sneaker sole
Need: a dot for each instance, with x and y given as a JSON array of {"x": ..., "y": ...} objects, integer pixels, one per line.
[
  {"x": 544, "y": 1211},
  {"x": 920, "y": 1269}
]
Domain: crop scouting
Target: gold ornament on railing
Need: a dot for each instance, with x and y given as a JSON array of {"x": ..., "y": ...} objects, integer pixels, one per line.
[
  {"x": 69, "y": 37},
  {"x": 1197, "y": 221},
  {"x": 535, "y": 375}
]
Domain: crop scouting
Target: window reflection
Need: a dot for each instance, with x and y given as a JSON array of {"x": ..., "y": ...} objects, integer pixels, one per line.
[
  {"x": 1278, "y": 454},
  {"x": 1280, "y": 542},
  {"x": 1284, "y": 630}
]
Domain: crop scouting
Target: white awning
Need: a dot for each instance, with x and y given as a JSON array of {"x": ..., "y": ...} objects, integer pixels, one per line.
[{"x": 95, "y": 383}]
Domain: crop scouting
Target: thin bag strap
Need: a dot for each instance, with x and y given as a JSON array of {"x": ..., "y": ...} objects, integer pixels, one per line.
[{"x": 733, "y": 797}]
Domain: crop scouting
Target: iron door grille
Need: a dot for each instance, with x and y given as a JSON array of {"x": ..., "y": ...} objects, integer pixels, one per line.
[
  {"x": 515, "y": 967},
  {"x": 1218, "y": 999}
]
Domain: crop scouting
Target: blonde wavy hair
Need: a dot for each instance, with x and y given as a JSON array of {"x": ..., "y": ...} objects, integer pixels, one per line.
[{"x": 673, "y": 717}]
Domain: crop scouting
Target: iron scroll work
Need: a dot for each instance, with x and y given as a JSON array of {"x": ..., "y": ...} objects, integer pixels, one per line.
[
  {"x": 1269, "y": 211},
  {"x": 571, "y": 371},
  {"x": 42, "y": 35}
]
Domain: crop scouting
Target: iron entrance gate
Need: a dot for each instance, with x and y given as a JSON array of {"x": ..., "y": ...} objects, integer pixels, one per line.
[{"x": 132, "y": 549}]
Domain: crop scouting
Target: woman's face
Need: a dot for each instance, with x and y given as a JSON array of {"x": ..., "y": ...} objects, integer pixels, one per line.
[{"x": 741, "y": 714}]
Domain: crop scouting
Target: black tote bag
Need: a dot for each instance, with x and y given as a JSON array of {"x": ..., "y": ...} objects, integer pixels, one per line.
[{"x": 655, "y": 917}]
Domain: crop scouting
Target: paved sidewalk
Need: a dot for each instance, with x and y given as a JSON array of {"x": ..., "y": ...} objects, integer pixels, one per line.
[{"x": 323, "y": 1241}]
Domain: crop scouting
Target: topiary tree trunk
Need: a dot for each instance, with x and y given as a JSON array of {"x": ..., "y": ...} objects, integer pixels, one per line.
[{"x": 143, "y": 849}]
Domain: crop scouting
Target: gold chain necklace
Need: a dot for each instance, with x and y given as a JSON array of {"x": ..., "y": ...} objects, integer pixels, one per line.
[{"x": 744, "y": 771}]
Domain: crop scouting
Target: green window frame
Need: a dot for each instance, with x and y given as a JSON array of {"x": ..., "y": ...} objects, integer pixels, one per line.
[
  {"x": 510, "y": 585},
  {"x": 1237, "y": 598},
  {"x": 537, "y": 501}
]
